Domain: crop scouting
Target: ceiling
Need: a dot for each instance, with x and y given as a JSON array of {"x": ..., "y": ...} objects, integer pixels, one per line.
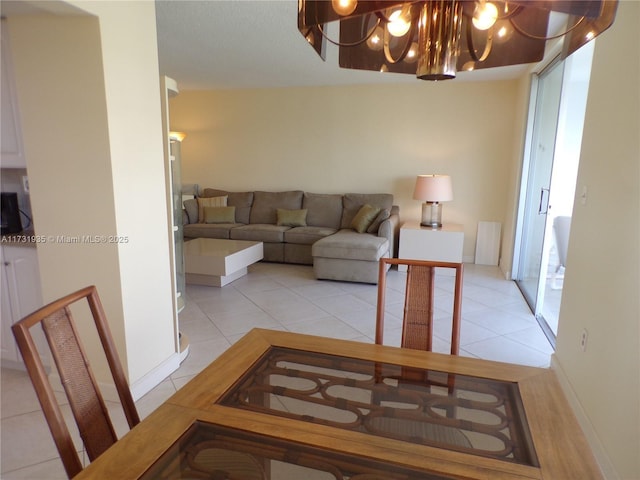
[
  {"x": 224, "y": 44},
  {"x": 220, "y": 44}
]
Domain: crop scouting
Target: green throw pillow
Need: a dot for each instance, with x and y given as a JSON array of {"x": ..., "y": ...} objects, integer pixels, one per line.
[
  {"x": 292, "y": 218},
  {"x": 210, "y": 202},
  {"x": 219, "y": 214},
  {"x": 364, "y": 218}
]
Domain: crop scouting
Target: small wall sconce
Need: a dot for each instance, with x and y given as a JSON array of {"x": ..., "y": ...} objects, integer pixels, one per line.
[
  {"x": 433, "y": 189},
  {"x": 178, "y": 136}
]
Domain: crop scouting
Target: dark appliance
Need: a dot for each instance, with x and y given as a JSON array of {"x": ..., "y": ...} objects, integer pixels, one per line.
[{"x": 10, "y": 218}]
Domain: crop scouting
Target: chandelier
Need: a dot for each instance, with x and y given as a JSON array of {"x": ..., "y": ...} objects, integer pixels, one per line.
[{"x": 434, "y": 39}]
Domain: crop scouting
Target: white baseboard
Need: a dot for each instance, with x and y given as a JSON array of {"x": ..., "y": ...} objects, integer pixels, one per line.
[
  {"x": 603, "y": 460},
  {"x": 155, "y": 376}
]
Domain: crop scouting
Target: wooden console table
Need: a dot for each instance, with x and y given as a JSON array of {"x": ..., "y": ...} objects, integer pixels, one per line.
[{"x": 276, "y": 401}]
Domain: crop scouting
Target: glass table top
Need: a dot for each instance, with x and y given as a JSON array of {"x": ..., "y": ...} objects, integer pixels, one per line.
[
  {"x": 209, "y": 451},
  {"x": 455, "y": 412}
]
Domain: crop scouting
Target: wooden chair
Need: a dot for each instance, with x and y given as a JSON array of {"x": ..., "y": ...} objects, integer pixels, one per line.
[
  {"x": 417, "y": 328},
  {"x": 87, "y": 404},
  {"x": 417, "y": 333}
]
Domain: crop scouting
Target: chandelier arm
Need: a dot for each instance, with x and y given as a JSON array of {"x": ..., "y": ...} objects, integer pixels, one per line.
[
  {"x": 536, "y": 37},
  {"x": 387, "y": 52},
  {"x": 512, "y": 13},
  {"x": 349, "y": 44},
  {"x": 487, "y": 46},
  {"x": 406, "y": 9}
]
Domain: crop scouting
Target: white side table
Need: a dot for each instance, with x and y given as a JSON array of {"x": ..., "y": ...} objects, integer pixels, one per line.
[{"x": 426, "y": 243}]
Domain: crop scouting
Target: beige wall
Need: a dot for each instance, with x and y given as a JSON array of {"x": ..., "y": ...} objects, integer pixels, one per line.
[
  {"x": 88, "y": 90},
  {"x": 602, "y": 280},
  {"x": 132, "y": 86},
  {"x": 357, "y": 139},
  {"x": 521, "y": 106}
]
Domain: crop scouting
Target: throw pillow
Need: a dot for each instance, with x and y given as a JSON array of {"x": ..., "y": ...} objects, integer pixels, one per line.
[
  {"x": 292, "y": 218},
  {"x": 191, "y": 208},
  {"x": 209, "y": 202},
  {"x": 219, "y": 214},
  {"x": 382, "y": 216},
  {"x": 364, "y": 218}
]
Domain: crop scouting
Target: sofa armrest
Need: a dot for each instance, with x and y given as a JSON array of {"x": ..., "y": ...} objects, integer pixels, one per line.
[{"x": 390, "y": 229}]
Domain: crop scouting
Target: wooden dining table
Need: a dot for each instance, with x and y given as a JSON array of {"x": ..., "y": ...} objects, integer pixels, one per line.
[{"x": 280, "y": 405}]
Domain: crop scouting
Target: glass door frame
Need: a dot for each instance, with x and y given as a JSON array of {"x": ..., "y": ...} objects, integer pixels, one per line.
[
  {"x": 564, "y": 171},
  {"x": 535, "y": 299}
]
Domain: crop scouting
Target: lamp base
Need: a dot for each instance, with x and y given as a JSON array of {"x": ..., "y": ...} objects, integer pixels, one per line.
[{"x": 431, "y": 215}]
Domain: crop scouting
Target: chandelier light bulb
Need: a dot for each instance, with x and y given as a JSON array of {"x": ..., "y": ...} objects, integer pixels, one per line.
[
  {"x": 503, "y": 33},
  {"x": 412, "y": 54},
  {"x": 398, "y": 25},
  {"x": 344, "y": 7},
  {"x": 485, "y": 15},
  {"x": 469, "y": 66},
  {"x": 376, "y": 40}
]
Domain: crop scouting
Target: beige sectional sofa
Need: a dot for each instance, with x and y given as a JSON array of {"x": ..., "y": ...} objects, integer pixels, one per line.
[{"x": 342, "y": 236}]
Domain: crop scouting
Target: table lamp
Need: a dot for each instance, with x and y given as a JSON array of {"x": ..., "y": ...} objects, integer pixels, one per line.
[{"x": 433, "y": 190}]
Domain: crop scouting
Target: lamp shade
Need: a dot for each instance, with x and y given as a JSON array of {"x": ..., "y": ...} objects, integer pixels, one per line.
[{"x": 433, "y": 188}]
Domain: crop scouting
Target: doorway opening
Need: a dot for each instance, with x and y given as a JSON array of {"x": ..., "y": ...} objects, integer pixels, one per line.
[{"x": 548, "y": 189}]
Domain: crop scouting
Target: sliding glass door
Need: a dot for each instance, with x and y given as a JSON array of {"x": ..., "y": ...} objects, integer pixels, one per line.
[
  {"x": 559, "y": 96},
  {"x": 531, "y": 265}
]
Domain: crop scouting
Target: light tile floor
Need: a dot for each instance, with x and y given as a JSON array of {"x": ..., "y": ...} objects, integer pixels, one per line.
[{"x": 497, "y": 325}]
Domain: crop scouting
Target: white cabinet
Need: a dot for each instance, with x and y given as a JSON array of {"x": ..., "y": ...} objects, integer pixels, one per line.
[
  {"x": 11, "y": 151},
  {"x": 436, "y": 244},
  {"x": 21, "y": 293}
]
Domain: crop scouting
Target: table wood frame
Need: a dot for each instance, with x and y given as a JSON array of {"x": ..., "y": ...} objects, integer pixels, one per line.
[{"x": 563, "y": 452}]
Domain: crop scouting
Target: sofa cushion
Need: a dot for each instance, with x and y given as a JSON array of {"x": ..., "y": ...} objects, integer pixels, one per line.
[
  {"x": 351, "y": 245},
  {"x": 307, "y": 235},
  {"x": 323, "y": 210},
  {"x": 351, "y": 203},
  {"x": 191, "y": 207},
  {"x": 219, "y": 214},
  {"x": 291, "y": 218},
  {"x": 220, "y": 201},
  {"x": 259, "y": 232},
  {"x": 297, "y": 253},
  {"x": 241, "y": 200},
  {"x": 364, "y": 218},
  {"x": 265, "y": 205},
  {"x": 209, "y": 230}
]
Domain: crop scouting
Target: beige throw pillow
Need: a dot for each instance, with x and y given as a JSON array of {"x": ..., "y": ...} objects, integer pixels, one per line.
[
  {"x": 364, "y": 218},
  {"x": 292, "y": 218},
  {"x": 209, "y": 202},
  {"x": 381, "y": 217},
  {"x": 219, "y": 214}
]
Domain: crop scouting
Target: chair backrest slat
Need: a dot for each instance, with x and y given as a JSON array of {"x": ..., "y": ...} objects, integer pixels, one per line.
[
  {"x": 81, "y": 388},
  {"x": 417, "y": 326},
  {"x": 87, "y": 404}
]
